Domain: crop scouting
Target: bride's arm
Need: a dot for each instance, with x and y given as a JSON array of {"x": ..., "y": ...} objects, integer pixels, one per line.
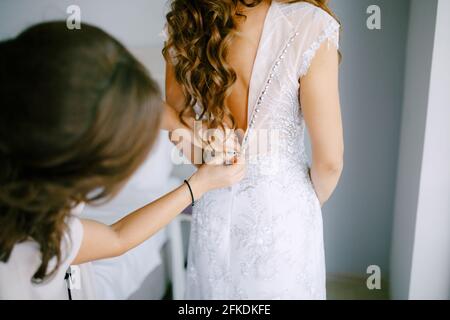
[
  {"x": 189, "y": 136},
  {"x": 174, "y": 103},
  {"x": 170, "y": 120},
  {"x": 319, "y": 92},
  {"x": 181, "y": 134}
]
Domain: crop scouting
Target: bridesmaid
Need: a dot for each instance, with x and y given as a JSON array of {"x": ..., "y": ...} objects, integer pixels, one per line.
[{"x": 78, "y": 116}]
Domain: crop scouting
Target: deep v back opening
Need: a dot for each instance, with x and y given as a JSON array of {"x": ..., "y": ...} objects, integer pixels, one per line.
[{"x": 248, "y": 108}]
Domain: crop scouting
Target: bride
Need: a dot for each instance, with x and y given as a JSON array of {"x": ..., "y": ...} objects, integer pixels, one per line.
[{"x": 265, "y": 68}]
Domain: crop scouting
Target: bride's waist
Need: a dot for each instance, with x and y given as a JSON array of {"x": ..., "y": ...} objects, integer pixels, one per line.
[
  {"x": 268, "y": 182},
  {"x": 264, "y": 168},
  {"x": 277, "y": 159}
]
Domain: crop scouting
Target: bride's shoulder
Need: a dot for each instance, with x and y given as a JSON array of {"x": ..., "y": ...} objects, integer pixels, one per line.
[{"x": 303, "y": 12}]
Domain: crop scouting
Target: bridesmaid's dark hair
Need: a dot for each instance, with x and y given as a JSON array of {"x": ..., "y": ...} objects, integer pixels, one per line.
[{"x": 78, "y": 115}]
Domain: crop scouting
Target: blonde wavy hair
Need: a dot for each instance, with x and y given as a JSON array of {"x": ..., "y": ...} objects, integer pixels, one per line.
[{"x": 199, "y": 35}]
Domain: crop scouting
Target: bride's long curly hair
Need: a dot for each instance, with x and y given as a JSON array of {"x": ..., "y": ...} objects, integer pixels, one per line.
[{"x": 199, "y": 35}]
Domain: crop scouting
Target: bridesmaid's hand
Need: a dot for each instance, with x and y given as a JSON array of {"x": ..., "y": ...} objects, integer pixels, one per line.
[
  {"x": 210, "y": 177},
  {"x": 221, "y": 147},
  {"x": 202, "y": 145}
]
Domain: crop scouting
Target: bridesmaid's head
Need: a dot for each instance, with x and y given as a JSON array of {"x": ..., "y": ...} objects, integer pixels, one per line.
[
  {"x": 200, "y": 33},
  {"x": 78, "y": 115}
]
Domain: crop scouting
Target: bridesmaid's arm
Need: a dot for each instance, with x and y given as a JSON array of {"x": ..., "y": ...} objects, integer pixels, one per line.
[
  {"x": 319, "y": 94},
  {"x": 101, "y": 241}
]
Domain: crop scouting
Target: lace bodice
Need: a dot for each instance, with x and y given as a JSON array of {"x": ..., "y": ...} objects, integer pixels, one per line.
[{"x": 291, "y": 36}]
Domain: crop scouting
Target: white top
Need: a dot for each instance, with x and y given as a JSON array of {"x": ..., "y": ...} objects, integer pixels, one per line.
[{"x": 17, "y": 273}]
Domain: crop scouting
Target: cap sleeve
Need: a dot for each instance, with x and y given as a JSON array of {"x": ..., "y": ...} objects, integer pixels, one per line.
[{"x": 317, "y": 28}]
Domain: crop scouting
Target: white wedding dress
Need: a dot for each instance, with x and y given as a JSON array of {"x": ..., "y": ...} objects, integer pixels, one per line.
[{"x": 262, "y": 238}]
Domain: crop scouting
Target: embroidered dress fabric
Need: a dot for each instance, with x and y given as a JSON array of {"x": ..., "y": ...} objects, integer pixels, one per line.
[{"x": 262, "y": 238}]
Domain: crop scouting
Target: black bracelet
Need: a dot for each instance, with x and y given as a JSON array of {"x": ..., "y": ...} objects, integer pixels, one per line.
[{"x": 190, "y": 190}]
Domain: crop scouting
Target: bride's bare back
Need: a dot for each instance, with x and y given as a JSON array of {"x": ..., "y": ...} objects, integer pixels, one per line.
[{"x": 241, "y": 57}]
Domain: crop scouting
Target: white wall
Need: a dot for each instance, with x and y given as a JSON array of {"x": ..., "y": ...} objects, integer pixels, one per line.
[
  {"x": 136, "y": 23},
  {"x": 420, "y": 265},
  {"x": 430, "y": 274}
]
